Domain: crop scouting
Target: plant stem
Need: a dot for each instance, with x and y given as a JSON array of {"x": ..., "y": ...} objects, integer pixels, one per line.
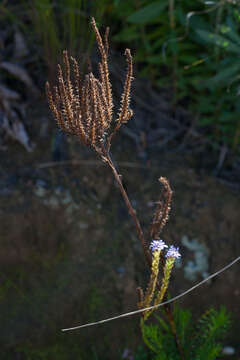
[
  {"x": 147, "y": 255},
  {"x": 131, "y": 210}
]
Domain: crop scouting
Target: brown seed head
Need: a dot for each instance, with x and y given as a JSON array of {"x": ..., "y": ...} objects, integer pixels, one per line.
[
  {"x": 162, "y": 210},
  {"x": 84, "y": 107}
]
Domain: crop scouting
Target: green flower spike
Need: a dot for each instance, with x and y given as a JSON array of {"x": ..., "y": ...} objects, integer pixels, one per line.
[
  {"x": 171, "y": 256},
  {"x": 156, "y": 246}
]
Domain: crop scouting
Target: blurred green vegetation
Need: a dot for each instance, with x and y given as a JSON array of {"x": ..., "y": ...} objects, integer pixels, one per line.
[
  {"x": 197, "y": 46},
  {"x": 53, "y": 26},
  {"x": 200, "y": 340}
]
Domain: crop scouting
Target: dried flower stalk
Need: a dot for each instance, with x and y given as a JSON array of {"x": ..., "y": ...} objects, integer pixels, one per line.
[
  {"x": 162, "y": 210},
  {"x": 84, "y": 107}
]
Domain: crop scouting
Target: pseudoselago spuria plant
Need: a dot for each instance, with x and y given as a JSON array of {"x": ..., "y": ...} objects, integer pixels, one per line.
[{"x": 83, "y": 106}]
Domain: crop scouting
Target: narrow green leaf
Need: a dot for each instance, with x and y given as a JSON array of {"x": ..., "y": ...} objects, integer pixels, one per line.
[
  {"x": 225, "y": 75},
  {"x": 148, "y": 13},
  {"x": 155, "y": 59},
  {"x": 218, "y": 40},
  {"x": 129, "y": 33},
  {"x": 233, "y": 34}
]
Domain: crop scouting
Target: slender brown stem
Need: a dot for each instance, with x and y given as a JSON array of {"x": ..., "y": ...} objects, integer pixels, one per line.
[{"x": 131, "y": 210}]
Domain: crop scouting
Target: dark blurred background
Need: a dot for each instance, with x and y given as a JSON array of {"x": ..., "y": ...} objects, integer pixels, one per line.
[{"x": 69, "y": 253}]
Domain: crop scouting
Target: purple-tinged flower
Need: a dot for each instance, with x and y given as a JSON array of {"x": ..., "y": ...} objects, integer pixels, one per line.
[
  {"x": 173, "y": 252},
  {"x": 157, "y": 245}
]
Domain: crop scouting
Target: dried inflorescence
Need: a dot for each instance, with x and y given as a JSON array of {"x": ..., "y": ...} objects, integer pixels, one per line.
[
  {"x": 84, "y": 107},
  {"x": 162, "y": 210}
]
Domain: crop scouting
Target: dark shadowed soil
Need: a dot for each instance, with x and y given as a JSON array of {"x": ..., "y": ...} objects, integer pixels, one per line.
[{"x": 69, "y": 252}]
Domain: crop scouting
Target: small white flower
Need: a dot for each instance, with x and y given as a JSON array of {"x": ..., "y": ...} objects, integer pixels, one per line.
[
  {"x": 173, "y": 252},
  {"x": 157, "y": 245}
]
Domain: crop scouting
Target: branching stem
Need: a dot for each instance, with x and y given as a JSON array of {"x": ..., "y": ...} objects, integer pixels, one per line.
[{"x": 147, "y": 255}]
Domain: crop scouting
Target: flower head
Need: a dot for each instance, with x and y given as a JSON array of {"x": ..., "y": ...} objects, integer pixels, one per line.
[
  {"x": 173, "y": 252},
  {"x": 84, "y": 106},
  {"x": 157, "y": 245}
]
